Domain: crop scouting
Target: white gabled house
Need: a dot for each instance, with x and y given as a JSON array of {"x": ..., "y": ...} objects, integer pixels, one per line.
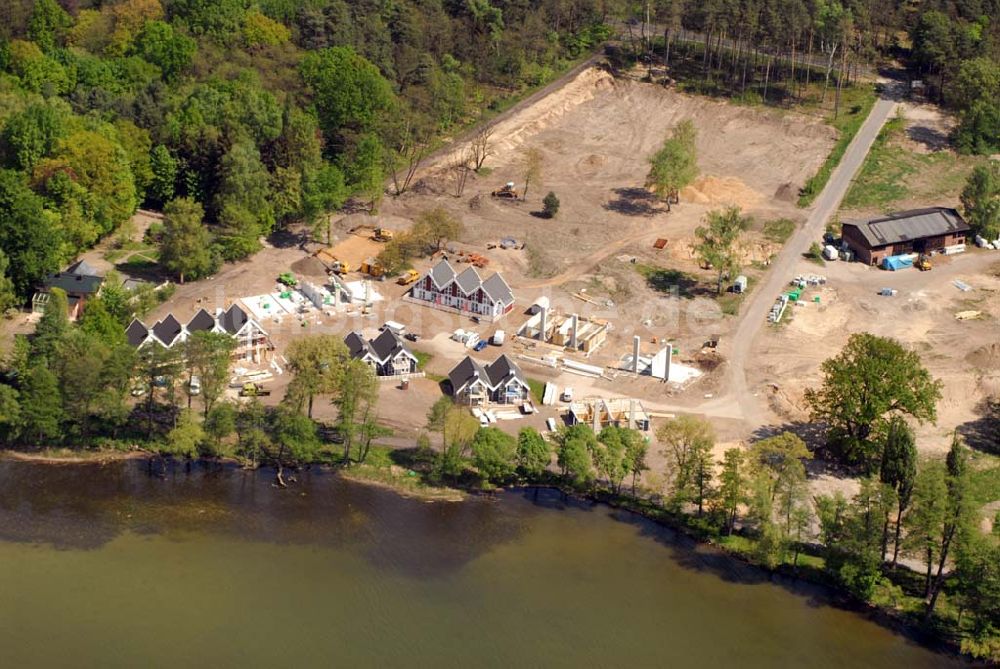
[
  {"x": 500, "y": 382},
  {"x": 252, "y": 341},
  {"x": 387, "y": 353},
  {"x": 466, "y": 292}
]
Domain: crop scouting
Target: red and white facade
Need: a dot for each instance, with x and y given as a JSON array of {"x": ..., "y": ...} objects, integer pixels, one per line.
[{"x": 464, "y": 292}]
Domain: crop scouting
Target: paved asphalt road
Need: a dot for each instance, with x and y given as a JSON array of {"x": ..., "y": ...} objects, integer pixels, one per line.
[{"x": 753, "y": 316}]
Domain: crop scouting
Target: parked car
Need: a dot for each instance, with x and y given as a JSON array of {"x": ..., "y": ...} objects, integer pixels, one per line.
[
  {"x": 194, "y": 386},
  {"x": 480, "y": 345},
  {"x": 411, "y": 336},
  {"x": 138, "y": 391},
  {"x": 567, "y": 395}
]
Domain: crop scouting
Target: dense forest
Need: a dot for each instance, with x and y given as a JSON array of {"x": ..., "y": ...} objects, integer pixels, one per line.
[{"x": 261, "y": 113}]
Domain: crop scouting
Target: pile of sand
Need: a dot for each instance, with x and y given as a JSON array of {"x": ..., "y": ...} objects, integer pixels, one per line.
[
  {"x": 309, "y": 267},
  {"x": 721, "y": 191}
]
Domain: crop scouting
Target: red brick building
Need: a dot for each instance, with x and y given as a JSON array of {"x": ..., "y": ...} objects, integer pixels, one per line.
[{"x": 916, "y": 231}]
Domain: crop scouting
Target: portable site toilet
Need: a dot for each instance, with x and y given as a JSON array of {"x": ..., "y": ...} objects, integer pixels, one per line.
[{"x": 740, "y": 285}]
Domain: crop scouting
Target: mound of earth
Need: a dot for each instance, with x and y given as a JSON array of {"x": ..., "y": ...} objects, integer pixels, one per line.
[{"x": 721, "y": 191}]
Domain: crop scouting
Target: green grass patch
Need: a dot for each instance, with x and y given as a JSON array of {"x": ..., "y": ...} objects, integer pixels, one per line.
[
  {"x": 537, "y": 389},
  {"x": 423, "y": 357},
  {"x": 892, "y": 172},
  {"x": 984, "y": 479},
  {"x": 857, "y": 103},
  {"x": 664, "y": 280},
  {"x": 778, "y": 230}
]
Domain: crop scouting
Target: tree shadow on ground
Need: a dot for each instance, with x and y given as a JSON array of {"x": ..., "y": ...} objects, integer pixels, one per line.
[
  {"x": 983, "y": 433},
  {"x": 932, "y": 138},
  {"x": 674, "y": 282},
  {"x": 811, "y": 432},
  {"x": 814, "y": 434},
  {"x": 286, "y": 239},
  {"x": 139, "y": 267},
  {"x": 633, "y": 202}
]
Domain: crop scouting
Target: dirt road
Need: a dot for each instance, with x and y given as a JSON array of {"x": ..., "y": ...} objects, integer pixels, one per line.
[{"x": 754, "y": 313}]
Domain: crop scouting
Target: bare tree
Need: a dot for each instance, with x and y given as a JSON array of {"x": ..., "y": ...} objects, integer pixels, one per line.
[
  {"x": 460, "y": 169},
  {"x": 533, "y": 160},
  {"x": 481, "y": 148},
  {"x": 413, "y": 147}
]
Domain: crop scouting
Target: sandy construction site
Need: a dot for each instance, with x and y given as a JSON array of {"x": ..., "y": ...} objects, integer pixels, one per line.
[{"x": 596, "y": 134}]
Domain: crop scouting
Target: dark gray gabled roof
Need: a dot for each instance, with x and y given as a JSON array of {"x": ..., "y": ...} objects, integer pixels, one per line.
[
  {"x": 81, "y": 268},
  {"x": 167, "y": 330},
  {"x": 465, "y": 373},
  {"x": 442, "y": 273},
  {"x": 503, "y": 370},
  {"x": 497, "y": 288},
  {"x": 356, "y": 345},
  {"x": 469, "y": 280},
  {"x": 388, "y": 345},
  {"x": 201, "y": 322},
  {"x": 909, "y": 225},
  {"x": 74, "y": 284},
  {"x": 233, "y": 320},
  {"x": 136, "y": 333}
]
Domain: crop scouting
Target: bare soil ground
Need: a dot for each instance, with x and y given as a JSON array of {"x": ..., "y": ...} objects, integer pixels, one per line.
[
  {"x": 595, "y": 135},
  {"x": 963, "y": 354}
]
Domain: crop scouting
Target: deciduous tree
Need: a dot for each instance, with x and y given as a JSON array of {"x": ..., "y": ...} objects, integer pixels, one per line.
[
  {"x": 869, "y": 381},
  {"x": 718, "y": 242},
  {"x": 186, "y": 247},
  {"x": 675, "y": 165}
]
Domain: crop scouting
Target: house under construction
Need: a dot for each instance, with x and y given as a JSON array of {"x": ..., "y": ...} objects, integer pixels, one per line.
[
  {"x": 599, "y": 413},
  {"x": 573, "y": 332}
]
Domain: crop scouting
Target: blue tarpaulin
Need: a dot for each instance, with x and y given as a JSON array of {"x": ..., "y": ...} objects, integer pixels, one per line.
[{"x": 897, "y": 262}]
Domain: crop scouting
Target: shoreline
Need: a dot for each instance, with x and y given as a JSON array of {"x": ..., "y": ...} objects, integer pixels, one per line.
[{"x": 836, "y": 596}]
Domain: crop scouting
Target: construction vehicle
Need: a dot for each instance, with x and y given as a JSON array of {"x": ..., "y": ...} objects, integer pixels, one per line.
[
  {"x": 383, "y": 235},
  {"x": 251, "y": 389},
  {"x": 288, "y": 279},
  {"x": 508, "y": 192},
  {"x": 372, "y": 267},
  {"x": 408, "y": 277},
  {"x": 923, "y": 263},
  {"x": 340, "y": 267}
]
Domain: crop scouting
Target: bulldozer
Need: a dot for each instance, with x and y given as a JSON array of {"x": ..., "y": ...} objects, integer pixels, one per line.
[
  {"x": 923, "y": 263},
  {"x": 383, "y": 235},
  {"x": 408, "y": 277},
  {"x": 508, "y": 192}
]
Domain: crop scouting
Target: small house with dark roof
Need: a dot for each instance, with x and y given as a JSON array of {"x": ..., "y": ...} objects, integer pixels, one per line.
[
  {"x": 252, "y": 341},
  {"x": 500, "y": 382},
  {"x": 79, "y": 281},
  {"x": 466, "y": 292},
  {"x": 136, "y": 334},
  {"x": 915, "y": 231},
  {"x": 203, "y": 322},
  {"x": 169, "y": 331},
  {"x": 387, "y": 353}
]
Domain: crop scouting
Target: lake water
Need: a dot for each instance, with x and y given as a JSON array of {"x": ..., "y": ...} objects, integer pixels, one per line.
[{"x": 105, "y": 566}]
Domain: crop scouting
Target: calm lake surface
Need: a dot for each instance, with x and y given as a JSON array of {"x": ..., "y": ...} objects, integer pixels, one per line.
[{"x": 104, "y": 566}]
